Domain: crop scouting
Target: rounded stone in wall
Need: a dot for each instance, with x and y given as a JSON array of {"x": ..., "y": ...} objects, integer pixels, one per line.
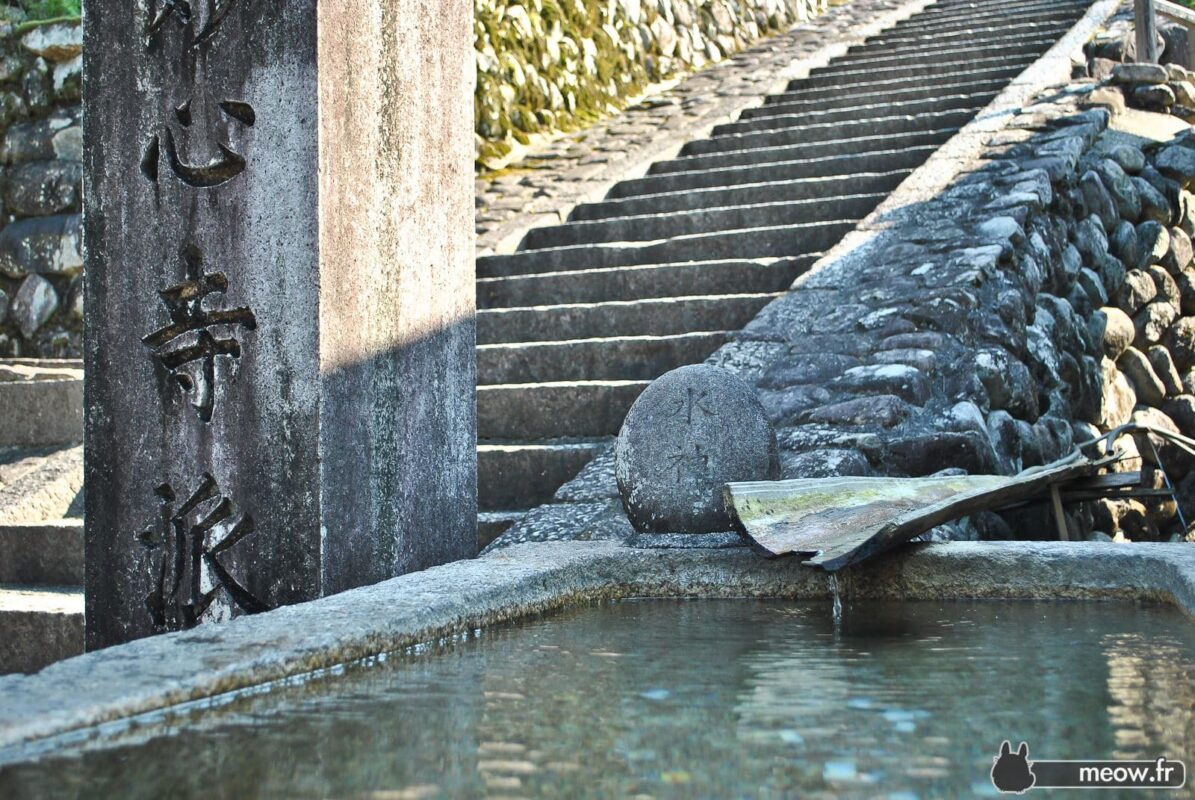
[
  {"x": 34, "y": 303},
  {"x": 692, "y": 431}
]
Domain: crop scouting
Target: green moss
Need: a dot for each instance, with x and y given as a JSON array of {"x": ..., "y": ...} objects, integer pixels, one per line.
[
  {"x": 50, "y": 10},
  {"x": 553, "y": 60},
  {"x": 25, "y": 27}
]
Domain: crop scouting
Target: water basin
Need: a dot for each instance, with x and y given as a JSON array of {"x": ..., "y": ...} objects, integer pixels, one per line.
[{"x": 668, "y": 698}]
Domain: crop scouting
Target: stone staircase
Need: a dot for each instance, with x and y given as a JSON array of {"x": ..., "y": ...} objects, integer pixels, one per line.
[
  {"x": 577, "y": 322},
  {"x": 574, "y": 325},
  {"x": 41, "y": 513}
]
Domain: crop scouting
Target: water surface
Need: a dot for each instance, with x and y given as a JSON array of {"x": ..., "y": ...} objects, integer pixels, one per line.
[{"x": 685, "y": 699}]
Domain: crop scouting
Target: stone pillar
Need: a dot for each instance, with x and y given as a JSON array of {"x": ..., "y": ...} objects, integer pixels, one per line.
[
  {"x": 1145, "y": 31},
  {"x": 279, "y": 303}
]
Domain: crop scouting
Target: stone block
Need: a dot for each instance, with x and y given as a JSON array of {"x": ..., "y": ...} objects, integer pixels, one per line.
[
  {"x": 1177, "y": 162},
  {"x": 1137, "y": 291},
  {"x": 42, "y": 246},
  {"x": 61, "y": 41},
  {"x": 926, "y": 454},
  {"x": 1139, "y": 73},
  {"x": 1153, "y": 97},
  {"x": 1097, "y": 201},
  {"x": 58, "y": 136},
  {"x": 1178, "y": 256},
  {"x": 42, "y": 553},
  {"x": 1146, "y": 383},
  {"x": 39, "y": 626},
  {"x": 41, "y": 188},
  {"x": 1180, "y": 341},
  {"x": 42, "y": 402},
  {"x": 1163, "y": 366},
  {"x": 1118, "y": 397},
  {"x": 884, "y": 411},
  {"x": 1152, "y": 321},
  {"x": 33, "y": 305}
]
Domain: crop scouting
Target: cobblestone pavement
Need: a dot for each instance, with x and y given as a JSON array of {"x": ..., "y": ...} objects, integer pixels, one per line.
[{"x": 579, "y": 167}]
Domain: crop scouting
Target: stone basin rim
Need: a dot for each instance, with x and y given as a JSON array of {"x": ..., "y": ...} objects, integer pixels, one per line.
[{"x": 74, "y": 697}]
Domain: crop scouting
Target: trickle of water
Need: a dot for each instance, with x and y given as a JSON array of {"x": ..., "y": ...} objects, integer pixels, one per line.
[{"x": 837, "y": 599}]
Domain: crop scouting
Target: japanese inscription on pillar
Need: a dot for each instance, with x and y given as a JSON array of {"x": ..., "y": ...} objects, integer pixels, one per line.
[
  {"x": 267, "y": 421},
  {"x": 185, "y": 554},
  {"x": 200, "y": 339}
]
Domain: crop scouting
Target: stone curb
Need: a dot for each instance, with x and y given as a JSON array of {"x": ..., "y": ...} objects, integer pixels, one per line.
[{"x": 68, "y": 699}]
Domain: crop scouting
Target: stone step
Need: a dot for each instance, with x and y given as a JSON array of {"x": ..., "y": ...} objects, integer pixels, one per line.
[
  {"x": 959, "y": 32},
  {"x": 969, "y": 10},
  {"x": 554, "y": 410},
  {"x": 725, "y": 170},
  {"x": 852, "y": 71},
  {"x": 994, "y": 36},
  {"x": 41, "y": 402},
  {"x": 862, "y": 154},
  {"x": 784, "y": 241},
  {"x": 948, "y": 12},
  {"x": 793, "y": 102},
  {"x": 848, "y": 88},
  {"x": 666, "y": 225},
  {"x": 38, "y": 626},
  {"x": 643, "y": 282},
  {"x": 774, "y": 117},
  {"x": 825, "y": 132},
  {"x": 49, "y": 553},
  {"x": 715, "y": 197},
  {"x": 611, "y": 358},
  {"x": 837, "y": 78},
  {"x": 980, "y": 31},
  {"x": 983, "y": 33},
  {"x": 929, "y": 27},
  {"x": 492, "y": 524},
  {"x": 519, "y": 475},
  {"x": 41, "y": 485},
  {"x": 1006, "y": 46},
  {"x": 647, "y": 317}
]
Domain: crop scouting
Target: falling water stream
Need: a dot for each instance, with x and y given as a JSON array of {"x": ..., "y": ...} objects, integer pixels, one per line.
[{"x": 837, "y": 600}]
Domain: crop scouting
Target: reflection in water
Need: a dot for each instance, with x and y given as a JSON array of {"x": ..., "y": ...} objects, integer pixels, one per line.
[
  {"x": 684, "y": 699},
  {"x": 1151, "y": 696}
]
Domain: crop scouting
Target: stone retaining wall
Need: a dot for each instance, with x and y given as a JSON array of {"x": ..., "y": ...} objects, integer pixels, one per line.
[
  {"x": 547, "y": 65},
  {"x": 41, "y": 264}
]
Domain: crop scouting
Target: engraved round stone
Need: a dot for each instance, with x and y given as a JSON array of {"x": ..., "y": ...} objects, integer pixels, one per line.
[{"x": 692, "y": 431}]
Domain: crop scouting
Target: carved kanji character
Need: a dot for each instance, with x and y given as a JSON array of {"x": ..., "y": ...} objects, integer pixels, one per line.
[
  {"x": 189, "y": 338},
  {"x": 180, "y": 12},
  {"x": 186, "y": 547},
  {"x": 219, "y": 170}
]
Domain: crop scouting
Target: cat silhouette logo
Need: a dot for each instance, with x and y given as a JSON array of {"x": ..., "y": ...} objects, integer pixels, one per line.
[{"x": 1011, "y": 772}]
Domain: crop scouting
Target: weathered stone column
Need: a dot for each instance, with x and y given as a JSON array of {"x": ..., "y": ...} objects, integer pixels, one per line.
[{"x": 279, "y": 302}]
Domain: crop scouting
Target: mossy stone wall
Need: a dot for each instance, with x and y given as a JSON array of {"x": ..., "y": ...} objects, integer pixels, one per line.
[{"x": 556, "y": 65}]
